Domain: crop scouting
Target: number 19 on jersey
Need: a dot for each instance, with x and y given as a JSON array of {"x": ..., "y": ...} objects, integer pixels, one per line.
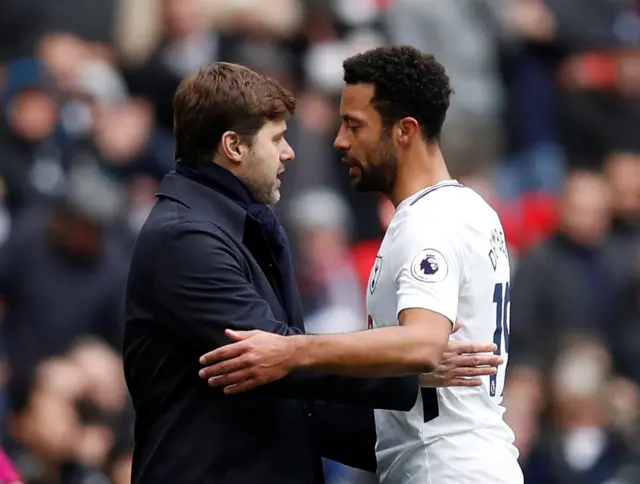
[{"x": 502, "y": 300}]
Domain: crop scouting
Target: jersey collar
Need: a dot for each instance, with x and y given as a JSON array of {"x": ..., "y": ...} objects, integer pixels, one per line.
[{"x": 413, "y": 199}]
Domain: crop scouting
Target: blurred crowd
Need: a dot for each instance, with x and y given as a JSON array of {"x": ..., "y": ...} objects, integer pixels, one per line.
[{"x": 545, "y": 124}]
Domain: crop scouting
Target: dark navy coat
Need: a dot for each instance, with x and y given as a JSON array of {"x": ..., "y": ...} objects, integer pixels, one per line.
[{"x": 201, "y": 265}]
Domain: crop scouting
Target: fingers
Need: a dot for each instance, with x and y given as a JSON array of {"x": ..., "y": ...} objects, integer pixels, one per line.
[
  {"x": 244, "y": 386},
  {"x": 226, "y": 352},
  {"x": 230, "y": 378},
  {"x": 473, "y": 372},
  {"x": 471, "y": 347},
  {"x": 473, "y": 361},
  {"x": 224, "y": 367},
  {"x": 456, "y": 327}
]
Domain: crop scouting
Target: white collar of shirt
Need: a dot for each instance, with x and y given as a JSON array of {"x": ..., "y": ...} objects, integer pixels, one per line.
[{"x": 425, "y": 191}]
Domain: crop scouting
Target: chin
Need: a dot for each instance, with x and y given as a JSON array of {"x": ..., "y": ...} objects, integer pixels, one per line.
[{"x": 274, "y": 198}]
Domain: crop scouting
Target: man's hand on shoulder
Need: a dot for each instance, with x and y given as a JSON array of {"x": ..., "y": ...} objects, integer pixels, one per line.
[
  {"x": 462, "y": 364},
  {"x": 254, "y": 359}
]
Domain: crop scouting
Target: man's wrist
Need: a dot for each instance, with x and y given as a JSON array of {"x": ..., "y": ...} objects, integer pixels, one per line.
[{"x": 301, "y": 356}]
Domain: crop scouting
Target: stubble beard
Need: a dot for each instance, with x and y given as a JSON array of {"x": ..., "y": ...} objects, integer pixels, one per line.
[
  {"x": 265, "y": 192},
  {"x": 380, "y": 175},
  {"x": 263, "y": 186}
]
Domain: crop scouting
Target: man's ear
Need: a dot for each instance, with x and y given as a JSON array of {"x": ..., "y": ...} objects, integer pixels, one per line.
[
  {"x": 407, "y": 129},
  {"x": 232, "y": 146}
]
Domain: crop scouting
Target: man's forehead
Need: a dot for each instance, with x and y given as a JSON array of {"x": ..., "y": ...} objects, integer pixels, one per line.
[
  {"x": 274, "y": 126},
  {"x": 357, "y": 97}
]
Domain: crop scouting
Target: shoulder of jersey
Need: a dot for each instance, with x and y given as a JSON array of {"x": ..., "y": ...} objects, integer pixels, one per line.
[
  {"x": 459, "y": 209},
  {"x": 452, "y": 199},
  {"x": 431, "y": 211},
  {"x": 441, "y": 201}
]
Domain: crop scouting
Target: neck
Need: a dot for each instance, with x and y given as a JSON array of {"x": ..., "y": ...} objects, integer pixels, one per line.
[
  {"x": 418, "y": 168},
  {"x": 233, "y": 168},
  {"x": 220, "y": 178}
]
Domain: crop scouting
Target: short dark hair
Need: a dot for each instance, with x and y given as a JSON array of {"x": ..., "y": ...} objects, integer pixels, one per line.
[
  {"x": 224, "y": 97},
  {"x": 407, "y": 82}
]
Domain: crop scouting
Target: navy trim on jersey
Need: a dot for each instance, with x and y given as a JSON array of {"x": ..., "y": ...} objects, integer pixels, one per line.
[
  {"x": 430, "y": 405},
  {"x": 434, "y": 188}
]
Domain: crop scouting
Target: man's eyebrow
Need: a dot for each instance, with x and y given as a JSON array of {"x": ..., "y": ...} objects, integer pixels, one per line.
[{"x": 347, "y": 117}]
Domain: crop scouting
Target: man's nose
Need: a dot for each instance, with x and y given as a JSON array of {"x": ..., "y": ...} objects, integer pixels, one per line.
[
  {"x": 341, "y": 143},
  {"x": 288, "y": 154}
]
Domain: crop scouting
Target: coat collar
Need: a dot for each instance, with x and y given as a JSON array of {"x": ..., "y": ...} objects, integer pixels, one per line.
[{"x": 197, "y": 196}]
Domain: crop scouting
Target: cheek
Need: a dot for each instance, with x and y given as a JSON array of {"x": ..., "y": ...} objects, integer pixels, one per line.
[
  {"x": 269, "y": 152},
  {"x": 366, "y": 143},
  {"x": 272, "y": 171},
  {"x": 369, "y": 151},
  {"x": 268, "y": 162}
]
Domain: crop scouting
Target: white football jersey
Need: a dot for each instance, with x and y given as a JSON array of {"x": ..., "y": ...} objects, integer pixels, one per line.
[{"x": 444, "y": 251}]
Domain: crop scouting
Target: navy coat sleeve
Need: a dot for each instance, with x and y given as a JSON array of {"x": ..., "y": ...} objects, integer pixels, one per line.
[{"x": 201, "y": 282}]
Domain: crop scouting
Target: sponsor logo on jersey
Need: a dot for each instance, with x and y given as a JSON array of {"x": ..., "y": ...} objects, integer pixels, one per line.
[
  {"x": 429, "y": 266},
  {"x": 375, "y": 274}
]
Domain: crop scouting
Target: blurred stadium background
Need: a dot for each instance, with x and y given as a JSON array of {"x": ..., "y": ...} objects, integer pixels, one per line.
[{"x": 545, "y": 124}]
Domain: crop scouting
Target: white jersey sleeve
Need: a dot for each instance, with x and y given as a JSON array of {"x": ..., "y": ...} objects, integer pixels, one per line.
[{"x": 430, "y": 267}]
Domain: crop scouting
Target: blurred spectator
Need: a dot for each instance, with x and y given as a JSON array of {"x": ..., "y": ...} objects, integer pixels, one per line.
[
  {"x": 534, "y": 160},
  {"x": 582, "y": 445},
  {"x": 328, "y": 279},
  {"x": 598, "y": 76},
  {"x": 187, "y": 43},
  {"x": 30, "y": 160},
  {"x": 67, "y": 418},
  {"x": 62, "y": 276},
  {"x": 577, "y": 253},
  {"x": 623, "y": 174},
  {"x": 585, "y": 293},
  {"x": 125, "y": 141}
]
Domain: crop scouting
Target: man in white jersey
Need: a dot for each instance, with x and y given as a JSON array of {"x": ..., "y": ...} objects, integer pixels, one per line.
[
  {"x": 442, "y": 259},
  {"x": 444, "y": 251}
]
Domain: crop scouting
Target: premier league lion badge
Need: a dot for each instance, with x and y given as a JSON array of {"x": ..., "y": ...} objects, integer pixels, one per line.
[{"x": 429, "y": 266}]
